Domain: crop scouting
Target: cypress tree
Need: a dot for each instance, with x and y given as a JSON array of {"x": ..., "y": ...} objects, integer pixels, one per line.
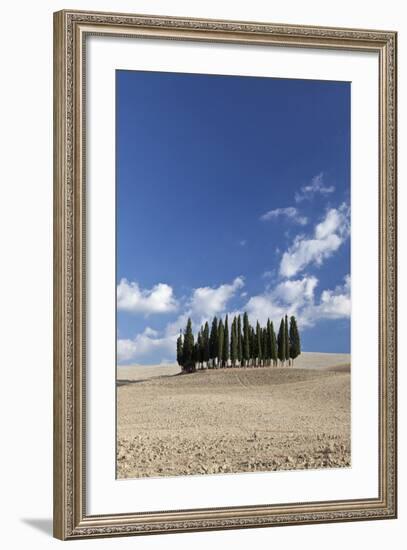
[
  {"x": 180, "y": 360},
  {"x": 188, "y": 348},
  {"x": 213, "y": 341},
  {"x": 253, "y": 345},
  {"x": 273, "y": 343},
  {"x": 200, "y": 349},
  {"x": 268, "y": 340},
  {"x": 206, "y": 344},
  {"x": 195, "y": 356},
  {"x": 221, "y": 341},
  {"x": 259, "y": 338},
  {"x": 226, "y": 348},
  {"x": 246, "y": 339},
  {"x": 281, "y": 342},
  {"x": 286, "y": 340},
  {"x": 232, "y": 337},
  {"x": 239, "y": 341},
  {"x": 234, "y": 343},
  {"x": 295, "y": 343},
  {"x": 257, "y": 346},
  {"x": 264, "y": 347}
]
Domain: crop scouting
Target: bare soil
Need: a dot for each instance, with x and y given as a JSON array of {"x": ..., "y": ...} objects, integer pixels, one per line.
[{"x": 233, "y": 420}]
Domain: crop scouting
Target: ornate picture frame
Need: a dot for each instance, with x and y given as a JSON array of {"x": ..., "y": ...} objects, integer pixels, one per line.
[{"x": 71, "y": 31}]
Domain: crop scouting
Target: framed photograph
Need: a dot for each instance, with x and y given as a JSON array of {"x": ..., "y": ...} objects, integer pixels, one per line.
[{"x": 225, "y": 274}]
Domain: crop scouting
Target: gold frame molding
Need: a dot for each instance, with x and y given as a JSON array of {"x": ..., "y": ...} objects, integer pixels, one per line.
[{"x": 70, "y": 518}]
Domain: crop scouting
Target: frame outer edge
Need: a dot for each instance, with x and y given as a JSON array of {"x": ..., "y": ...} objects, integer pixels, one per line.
[
  {"x": 68, "y": 520},
  {"x": 395, "y": 167},
  {"x": 392, "y": 262},
  {"x": 59, "y": 425}
]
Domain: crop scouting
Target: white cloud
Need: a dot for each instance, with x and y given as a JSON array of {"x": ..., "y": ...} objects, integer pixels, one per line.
[
  {"x": 180, "y": 322},
  {"x": 262, "y": 307},
  {"x": 334, "y": 304},
  {"x": 297, "y": 297},
  {"x": 287, "y": 297},
  {"x": 159, "y": 299},
  {"x": 243, "y": 242},
  {"x": 207, "y": 301},
  {"x": 126, "y": 350},
  {"x": 145, "y": 347},
  {"x": 316, "y": 186},
  {"x": 148, "y": 331},
  {"x": 335, "y": 221},
  {"x": 328, "y": 237},
  {"x": 306, "y": 251},
  {"x": 290, "y": 213},
  {"x": 296, "y": 291}
]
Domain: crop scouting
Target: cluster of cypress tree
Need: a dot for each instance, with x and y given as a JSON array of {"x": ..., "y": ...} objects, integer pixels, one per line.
[{"x": 242, "y": 345}]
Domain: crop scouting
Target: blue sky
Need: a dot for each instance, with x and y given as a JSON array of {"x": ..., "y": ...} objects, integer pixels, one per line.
[{"x": 233, "y": 194}]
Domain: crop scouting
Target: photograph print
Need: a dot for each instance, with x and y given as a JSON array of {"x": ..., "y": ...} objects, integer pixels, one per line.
[{"x": 233, "y": 302}]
